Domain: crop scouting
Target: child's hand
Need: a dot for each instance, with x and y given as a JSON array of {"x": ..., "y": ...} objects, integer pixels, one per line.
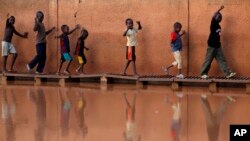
[
  {"x": 25, "y": 34},
  {"x": 138, "y": 22},
  {"x": 53, "y": 28},
  {"x": 222, "y": 7},
  {"x": 78, "y": 26},
  {"x": 86, "y": 48},
  {"x": 183, "y": 32},
  {"x": 8, "y": 14}
]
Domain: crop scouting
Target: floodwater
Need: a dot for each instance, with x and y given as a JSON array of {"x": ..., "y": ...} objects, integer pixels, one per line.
[{"x": 119, "y": 113}]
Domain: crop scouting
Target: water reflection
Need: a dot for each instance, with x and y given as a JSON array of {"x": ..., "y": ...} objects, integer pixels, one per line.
[
  {"x": 65, "y": 111},
  {"x": 176, "y": 118},
  {"x": 213, "y": 120},
  {"x": 37, "y": 96},
  {"x": 130, "y": 133},
  {"x": 80, "y": 114},
  {"x": 8, "y": 111}
]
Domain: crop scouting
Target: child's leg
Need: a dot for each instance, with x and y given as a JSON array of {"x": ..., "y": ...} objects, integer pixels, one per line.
[
  {"x": 60, "y": 66},
  {"x": 67, "y": 68},
  {"x": 4, "y": 63},
  {"x": 126, "y": 67},
  {"x": 222, "y": 61},
  {"x": 208, "y": 60},
  {"x": 14, "y": 56},
  {"x": 134, "y": 67}
]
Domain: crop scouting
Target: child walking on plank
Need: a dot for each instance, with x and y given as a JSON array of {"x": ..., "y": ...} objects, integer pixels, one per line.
[
  {"x": 65, "y": 47},
  {"x": 176, "y": 47},
  {"x": 40, "y": 58},
  {"x": 214, "y": 48},
  {"x": 131, "y": 33},
  {"x": 7, "y": 46},
  {"x": 79, "y": 52}
]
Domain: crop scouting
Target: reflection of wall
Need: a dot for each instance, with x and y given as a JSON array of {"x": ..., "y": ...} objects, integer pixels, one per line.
[{"x": 105, "y": 21}]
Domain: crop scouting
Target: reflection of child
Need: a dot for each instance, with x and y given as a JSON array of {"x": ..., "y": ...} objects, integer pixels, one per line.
[
  {"x": 8, "y": 110},
  {"x": 65, "y": 113},
  {"x": 176, "y": 120},
  {"x": 80, "y": 116},
  {"x": 213, "y": 120},
  {"x": 130, "y": 133}
]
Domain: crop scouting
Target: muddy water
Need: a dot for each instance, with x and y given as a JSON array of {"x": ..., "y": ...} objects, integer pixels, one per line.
[{"x": 120, "y": 113}]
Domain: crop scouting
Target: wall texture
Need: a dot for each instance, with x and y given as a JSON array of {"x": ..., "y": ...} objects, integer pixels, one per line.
[{"x": 104, "y": 20}]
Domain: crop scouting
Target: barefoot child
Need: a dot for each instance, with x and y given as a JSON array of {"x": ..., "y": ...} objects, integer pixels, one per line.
[
  {"x": 65, "y": 47},
  {"x": 40, "y": 58},
  {"x": 7, "y": 46},
  {"x": 214, "y": 48},
  {"x": 79, "y": 52},
  {"x": 131, "y": 33},
  {"x": 176, "y": 46}
]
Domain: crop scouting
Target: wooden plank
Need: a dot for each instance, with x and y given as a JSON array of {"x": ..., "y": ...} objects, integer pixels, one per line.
[
  {"x": 87, "y": 76},
  {"x": 125, "y": 77},
  {"x": 232, "y": 80},
  {"x": 156, "y": 78},
  {"x": 52, "y": 76},
  {"x": 19, "y": 74},
  {"x": 192, "y": 79}
]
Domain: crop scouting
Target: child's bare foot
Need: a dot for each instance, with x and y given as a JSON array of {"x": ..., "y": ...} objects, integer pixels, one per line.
[
  {"x": 78, "y": 71},
  {"x": 124, "y": 74},
  {"x": 66, "y": 72},
  {"x": 58, "y": 73},
  {"x": 12, "y": 71},
  {"x": 165, "y": 70}
]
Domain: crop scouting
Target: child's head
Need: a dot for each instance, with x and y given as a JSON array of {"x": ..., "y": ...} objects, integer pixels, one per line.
[
  {"x": 177, "y": 27},
  {"x": 218, "y": 17},
  {"x": 129, "y": 23},
  {"x": 65, "y": 28},
  {"x": 11, "y": 20},
  {"x": 40, "y": 15},
  {"x": 84, "y": 33}
]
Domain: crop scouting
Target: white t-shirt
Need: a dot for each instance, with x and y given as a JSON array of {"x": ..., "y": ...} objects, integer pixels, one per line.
[{"x": 131, "y": 37}]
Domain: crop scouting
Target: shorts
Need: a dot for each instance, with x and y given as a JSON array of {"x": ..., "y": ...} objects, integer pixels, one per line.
[
  {"x": 66, "y": 57},
  {"x": 7, "y": 48},
  {"x": 130, "y": 53},
  {"x": 81, "y": 59},
  {"x": 178, "y": 61}
]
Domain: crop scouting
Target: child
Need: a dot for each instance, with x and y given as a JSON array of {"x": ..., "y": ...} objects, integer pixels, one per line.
[
  {"x": 7, "y": 46},
  {"x": 131, "y": 33},
  {"x": 40, "y": 58},
  {"x": 65, "y": 47},
  {"x": 214, "y": 48},
  {"x": 79, "y": 52},
  {"x": 176, "y": 46}
]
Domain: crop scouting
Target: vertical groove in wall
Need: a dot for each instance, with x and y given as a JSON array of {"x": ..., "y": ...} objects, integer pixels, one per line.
[
  {"x": 188, "y": 31},
  {"x": 57, "y": 26}
]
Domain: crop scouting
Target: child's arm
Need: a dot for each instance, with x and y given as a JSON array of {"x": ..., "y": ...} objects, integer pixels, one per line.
[
  {"x": 218, "y": 11},
  {"x": 36, "y": 25},
  {"x": 25, "y": 35},
  {"x": 125, "y": 33},
  {"x": 73, "y": 30},
  {"x": 183, "y": 32},
  {"x": 86, "y": 48},
  {"x": 139, "y": 25},
  {"x": 59, "y": 36},
  {"x": 49, "y": 31}
]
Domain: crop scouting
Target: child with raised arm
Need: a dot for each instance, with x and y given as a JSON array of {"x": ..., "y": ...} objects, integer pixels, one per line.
[
  {"x": 79, "y": 51},
  {"x": 214, "y": 48},
  {"x": 7, "y": 46},
  {"x": 176, "y": 47},
  {"x": 65, "y": 47},
  {"x": 131, "y": 33},
  {"x": 40, "y": 58}
]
